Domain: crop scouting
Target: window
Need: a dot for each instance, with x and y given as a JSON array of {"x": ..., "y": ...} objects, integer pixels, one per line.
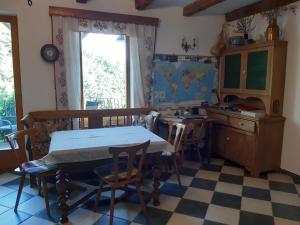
[
  {"x": 10, "y": 81},
  {"x": 105, "y": 72}
]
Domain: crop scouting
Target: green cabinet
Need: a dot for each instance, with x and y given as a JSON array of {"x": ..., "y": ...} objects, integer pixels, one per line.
[{"x": 257, "y": 70}]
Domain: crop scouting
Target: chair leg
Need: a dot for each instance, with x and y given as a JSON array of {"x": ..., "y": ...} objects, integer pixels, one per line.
[
  {"x": 176, "y": 170},
  {"x": 199, "y": 153},
  {"x": 45, "y": 192},
  {"x": 40, "y": 185},
  {"x": 141, "y": 197},
  {"x": 98, "y": 194},
  {"x": 112, "y": 206},
  {"x": 21, "y": 185}
]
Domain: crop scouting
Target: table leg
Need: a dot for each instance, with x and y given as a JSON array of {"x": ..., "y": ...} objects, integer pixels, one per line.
[
  {"x": 63, "y": 196},
  {"x": 156, "y": 181}
]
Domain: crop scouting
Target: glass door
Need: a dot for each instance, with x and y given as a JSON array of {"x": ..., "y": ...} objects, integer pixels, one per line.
[
  {"x": 232, "y": 71},
  {"x": 257, "y": 70}
]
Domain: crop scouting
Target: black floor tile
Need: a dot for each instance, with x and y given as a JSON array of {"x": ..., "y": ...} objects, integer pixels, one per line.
[
  {"x": 14, "y": 184},
  {"x": 231, "y": 179},
  {"x": 154, "y": 216},
  {"x": 102, "y": 207},
  {"x": 173, "y": 189},
  {"x": 207, "y": 222},
  {"x": 257, "y": 193},
  {"x": 227, "y": 200},
  {"x": 12, "y": 218},
  {"x": 204, "y": 184},
  {"x": 285, "y": 187},
  {"x": 192, "y": 208},
  {"x": 10, "y": 199},
  {"x": 53, "y": 211},
  {"x": 248, "y": 218},
  {"x": 134, "y": 198},
  {"x": 188, "y": 171},
  {"x": 104, "y": 220},
  {"x": 212, "y": 167},
  {"x": 286, "y": 211}
]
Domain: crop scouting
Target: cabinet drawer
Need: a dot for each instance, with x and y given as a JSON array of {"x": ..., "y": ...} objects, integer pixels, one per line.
[
  {"x": 222, "y": 118},
  {"x": 242, "y": 124}
]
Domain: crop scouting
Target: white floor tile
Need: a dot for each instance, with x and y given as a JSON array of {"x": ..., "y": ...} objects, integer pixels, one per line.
[
  {"x": 33, "y": 205},
  {"x": 6, "y": 177},
  {"x": 83, "y": 216},
  {"x": 198, "y": 194},
  {"x": 37, "y": 221},
  {"x": 233, "y": 170},
  {"x": 280, "y": 177},
  {"x": 229, "y": 188},
  {"x": 285, "y": 198},
  {"x": 257, "y": 206},
  {"x": 280, "y": 221},
  {"x": 180, "y": 219},
  {"x": 126, "y": 211},
  {"x": 209, "y": 175},
  {"x": 223, "y": 215},
  {"x": 5, "y": 191},
  {"x": 256, "y": 182}
]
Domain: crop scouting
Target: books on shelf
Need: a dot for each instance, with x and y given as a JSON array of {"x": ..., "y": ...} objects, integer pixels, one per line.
[{"x": 254, "y": 113}]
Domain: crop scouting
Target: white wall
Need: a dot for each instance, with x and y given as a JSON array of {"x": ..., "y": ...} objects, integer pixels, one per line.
[
  {"x": 289, "y": 24},
  {"x": 35, "y": 31}
]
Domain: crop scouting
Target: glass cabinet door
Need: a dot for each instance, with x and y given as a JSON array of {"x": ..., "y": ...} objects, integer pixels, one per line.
[
  {"x": 232, "y": 71},
  {"x": 257, "y": 70}
]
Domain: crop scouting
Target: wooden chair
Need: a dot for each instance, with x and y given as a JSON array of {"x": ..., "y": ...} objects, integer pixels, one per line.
[
  {"x": 35, "y": 167},
  {"x": 177, "y": 142},
  {"x": 193, "y": 136},
  {"x": 122, "y": 178}
]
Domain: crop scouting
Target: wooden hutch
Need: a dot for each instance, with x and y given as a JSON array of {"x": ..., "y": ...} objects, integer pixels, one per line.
[{"x": 252, "y": 76}]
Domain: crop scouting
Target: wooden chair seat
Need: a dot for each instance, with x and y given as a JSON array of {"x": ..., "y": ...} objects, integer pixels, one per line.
[
  {"x": 112, "y": 178},
  {"x": 37, "y": 167}
]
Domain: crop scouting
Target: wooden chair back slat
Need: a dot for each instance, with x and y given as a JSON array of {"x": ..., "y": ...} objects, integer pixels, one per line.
[{"x": 130, "y": 152}]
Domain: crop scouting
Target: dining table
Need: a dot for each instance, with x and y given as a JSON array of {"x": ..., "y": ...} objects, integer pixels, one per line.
[{"x": 74, "y": 151}]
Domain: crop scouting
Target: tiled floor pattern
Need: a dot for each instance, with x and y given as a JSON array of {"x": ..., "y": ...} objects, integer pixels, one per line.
[{"x": 222, "y": 193}]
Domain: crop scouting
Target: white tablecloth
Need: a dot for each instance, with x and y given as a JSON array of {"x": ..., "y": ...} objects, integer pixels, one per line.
[{"x": 92, "y": 144}]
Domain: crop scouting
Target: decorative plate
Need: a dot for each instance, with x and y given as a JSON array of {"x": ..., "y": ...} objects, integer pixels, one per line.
[{"x": 49, "y": 53}]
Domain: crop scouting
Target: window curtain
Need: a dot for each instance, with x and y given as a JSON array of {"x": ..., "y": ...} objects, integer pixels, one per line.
[{"x": 67, "y": 69}]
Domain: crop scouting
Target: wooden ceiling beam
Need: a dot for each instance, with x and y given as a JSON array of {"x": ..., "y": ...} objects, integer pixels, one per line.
[
  {"x": 81, "y": 1},
  {"x": 198, "y": 6},
  {"x": 255, "y": 8},
  {"x": 142, "y": 4}
]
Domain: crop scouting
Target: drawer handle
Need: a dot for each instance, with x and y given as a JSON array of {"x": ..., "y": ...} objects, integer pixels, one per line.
[{"x": 227, "y": 138}]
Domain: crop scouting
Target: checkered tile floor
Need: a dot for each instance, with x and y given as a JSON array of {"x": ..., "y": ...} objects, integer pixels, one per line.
[{"x": 223, "y": 193}]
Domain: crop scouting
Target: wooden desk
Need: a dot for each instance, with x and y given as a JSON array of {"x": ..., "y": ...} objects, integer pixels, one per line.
[
  {"x": 206, "y": 122},
  {"x": 83, "y": 150}
]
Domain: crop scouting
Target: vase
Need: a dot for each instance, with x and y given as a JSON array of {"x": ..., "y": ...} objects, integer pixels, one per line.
[{"x": 272, "y": 33}]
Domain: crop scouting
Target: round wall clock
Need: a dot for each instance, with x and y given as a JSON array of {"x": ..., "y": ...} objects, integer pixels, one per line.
[{"x": 49, "y": 53}]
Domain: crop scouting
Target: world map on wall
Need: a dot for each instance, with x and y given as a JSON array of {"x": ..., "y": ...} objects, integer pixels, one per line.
[{"x": 184, "y": 79}]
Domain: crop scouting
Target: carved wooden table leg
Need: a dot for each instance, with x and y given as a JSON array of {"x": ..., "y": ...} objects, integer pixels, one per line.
[
  {"x": 156, "y": 181},
  {"x": 63, "y": 196}
]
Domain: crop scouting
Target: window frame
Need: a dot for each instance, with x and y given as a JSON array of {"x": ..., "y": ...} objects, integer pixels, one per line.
[
  {"x": 127, "y": 70},
  {"x": 13, "y": 20}
]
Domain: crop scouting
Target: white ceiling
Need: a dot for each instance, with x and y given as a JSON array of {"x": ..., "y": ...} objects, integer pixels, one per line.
[{"x": 219, "y": 9}]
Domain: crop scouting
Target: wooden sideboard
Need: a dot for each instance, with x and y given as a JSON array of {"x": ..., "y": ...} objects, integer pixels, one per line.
[{"x": 254, "y": 143}]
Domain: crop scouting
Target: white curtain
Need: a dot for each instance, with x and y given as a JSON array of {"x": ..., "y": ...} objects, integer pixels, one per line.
[{"x": 67, "y": 68}]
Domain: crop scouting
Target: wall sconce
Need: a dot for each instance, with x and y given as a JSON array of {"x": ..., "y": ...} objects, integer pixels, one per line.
[
  {"x": 29, "y": 2},
  {"x": 187, "y": 46}
]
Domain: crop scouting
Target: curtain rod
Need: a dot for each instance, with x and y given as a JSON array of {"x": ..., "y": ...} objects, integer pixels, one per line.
[{"x": 106, "y": 16}]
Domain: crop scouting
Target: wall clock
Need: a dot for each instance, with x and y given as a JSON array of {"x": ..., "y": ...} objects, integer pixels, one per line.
[{"x": 49, "y": 53}]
